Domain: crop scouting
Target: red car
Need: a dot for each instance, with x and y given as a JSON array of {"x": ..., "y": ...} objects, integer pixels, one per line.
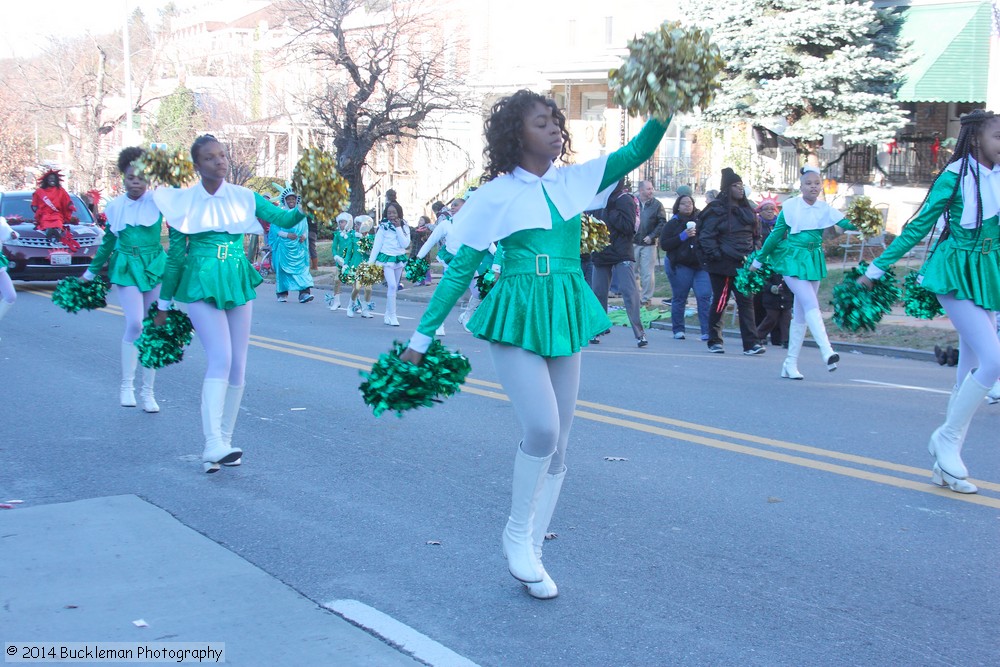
[{"x": 32, "y": 256}]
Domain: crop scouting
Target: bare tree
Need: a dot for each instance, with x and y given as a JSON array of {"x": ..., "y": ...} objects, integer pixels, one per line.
[
  {"x": 392, "y": 71},
  {"x": 17, "y": 149}
]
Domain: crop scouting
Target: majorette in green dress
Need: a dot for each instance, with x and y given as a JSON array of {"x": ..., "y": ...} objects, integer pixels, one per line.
[
  {"x": 966, "y": 263},
  {"x": 541, "y": 302},
  {"x": 206, "y": 260},
  {"x": 345, "y": 246},
  {"x": 794, "y": 247},
  {"x": 131, "y": 246}
]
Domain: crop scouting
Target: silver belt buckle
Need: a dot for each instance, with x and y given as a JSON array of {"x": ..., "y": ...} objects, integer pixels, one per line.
[
  {"x": 538, "y": 265},
  {"x": 987, "y": 246},
  {"x": 222, "y": 251}
]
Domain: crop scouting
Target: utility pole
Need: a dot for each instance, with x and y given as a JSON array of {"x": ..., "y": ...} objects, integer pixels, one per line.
[{"x": 127, "y": 60}]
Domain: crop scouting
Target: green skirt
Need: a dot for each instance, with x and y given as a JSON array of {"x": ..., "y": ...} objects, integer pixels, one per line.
[
  {"x": 553, "y": 316},
  {"x": 800, "y": 257},
  {"x": 383, "y": 258},
  {"x": 967, "y": 264},
  {"x": 137, "y": 266},
  {"x": 226, "y": 279}
]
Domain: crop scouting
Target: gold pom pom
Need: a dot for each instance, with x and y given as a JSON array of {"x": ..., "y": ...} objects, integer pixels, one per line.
[
  {"x": 594, "y": 235},
  {"x": 673, "y": 69},
  {"x": 162, "y": 166},
  {"x": 369, "y": 274},
  {"x": 866, "y": 218},
  {"x": 323, "y": 191}
]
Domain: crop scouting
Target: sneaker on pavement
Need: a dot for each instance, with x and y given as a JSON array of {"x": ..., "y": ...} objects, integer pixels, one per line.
[
  {"x": 716, "y": 349},
  {"x": 679, "y": 335},
  {"x": 755, "y": 350},
  {"x": 642, "y": 342}
]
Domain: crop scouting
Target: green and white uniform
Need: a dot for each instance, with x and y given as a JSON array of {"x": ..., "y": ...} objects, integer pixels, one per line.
[
  {"x": 131, "y": 246},
  {"x": 541, "y": 302},
  {"x": 967, "y": 261},
  {"x": 206, "y": 260},
  {"x": 795, "y": 245}
]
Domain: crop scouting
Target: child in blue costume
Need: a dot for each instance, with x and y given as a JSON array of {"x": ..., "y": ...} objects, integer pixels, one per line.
[
  {"x": 541, "y": 312},
  {"x": 964, "y": 272}
]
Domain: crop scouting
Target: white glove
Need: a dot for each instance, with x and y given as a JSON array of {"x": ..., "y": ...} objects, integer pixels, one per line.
[{"x": 87, "y": 276}]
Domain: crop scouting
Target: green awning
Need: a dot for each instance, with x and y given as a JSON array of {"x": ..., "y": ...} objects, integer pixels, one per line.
[{"x": 952, "y": 45}]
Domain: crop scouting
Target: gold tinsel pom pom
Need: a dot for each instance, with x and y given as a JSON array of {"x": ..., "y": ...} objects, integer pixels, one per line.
[
  {"x": 673, "y": 69},
  {"x": 163, "y": 166},
  {"x": 865, "y": 217},
  {"x": 324, "y": 192},
  {"x": 594, "y": 235},
  {"x": 369, "y": 274}
]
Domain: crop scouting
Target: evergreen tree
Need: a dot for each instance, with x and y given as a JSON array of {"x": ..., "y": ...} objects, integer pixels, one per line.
[
  {"x": 177, "y": 120},
  {"x": 829, "y": 67}
]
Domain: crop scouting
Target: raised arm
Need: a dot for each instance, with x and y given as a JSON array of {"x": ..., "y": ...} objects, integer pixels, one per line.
[
  {"x": 634, "y": 153},
  {"x": 274, "y": 215}
]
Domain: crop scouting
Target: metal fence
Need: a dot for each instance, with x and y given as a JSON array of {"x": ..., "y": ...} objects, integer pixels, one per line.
[{"x": 669, "y": 173}]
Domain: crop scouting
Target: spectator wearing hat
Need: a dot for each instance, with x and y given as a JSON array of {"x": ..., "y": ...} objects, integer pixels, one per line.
[
  {"x": 652, "y": 217},
  {"x": 728, "y": 231}
]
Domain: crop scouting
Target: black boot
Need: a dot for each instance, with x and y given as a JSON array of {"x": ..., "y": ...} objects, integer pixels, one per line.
[{"x": 940, "y": 355}]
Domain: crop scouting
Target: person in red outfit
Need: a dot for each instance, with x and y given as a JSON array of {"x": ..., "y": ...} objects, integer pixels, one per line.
[{"x": 53, "y": 209}]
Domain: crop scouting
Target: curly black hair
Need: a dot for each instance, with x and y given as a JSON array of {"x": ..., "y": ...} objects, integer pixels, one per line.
[
  {"x": 504, "y": 129},
  {"x": 128, "y": 156}
]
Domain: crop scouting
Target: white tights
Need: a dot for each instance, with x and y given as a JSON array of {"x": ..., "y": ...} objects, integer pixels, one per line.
[
  {"x": 805, "y": 292},
  {"x": 543, "y": 391},
  {"x": 7, "y": 292},
  {"x": 393, "y": 274},
  {"x": 135, "y": 305},
  {"x": 978, "y": 345},
  {"x": 225, "y": 335}
]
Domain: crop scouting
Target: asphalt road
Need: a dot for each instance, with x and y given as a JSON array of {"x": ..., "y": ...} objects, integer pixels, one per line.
[{"x": 713, "y": 514}]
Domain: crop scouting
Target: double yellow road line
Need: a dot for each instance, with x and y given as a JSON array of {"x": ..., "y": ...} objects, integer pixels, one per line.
[{"x": 838, "y": 463}]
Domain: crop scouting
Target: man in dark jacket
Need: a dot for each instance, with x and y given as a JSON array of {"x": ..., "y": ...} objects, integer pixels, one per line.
[
  {"x": 728, "y": 232},
  {"x": 652, "y": 217},
  {"x": 621, "y": 217}
]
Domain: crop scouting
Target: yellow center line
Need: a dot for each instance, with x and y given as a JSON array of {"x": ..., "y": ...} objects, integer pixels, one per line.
[{"x": 363, "y": 363}]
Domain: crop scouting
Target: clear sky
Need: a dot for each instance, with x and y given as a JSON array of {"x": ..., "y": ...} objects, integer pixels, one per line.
[{"x": 65, "y": 18}]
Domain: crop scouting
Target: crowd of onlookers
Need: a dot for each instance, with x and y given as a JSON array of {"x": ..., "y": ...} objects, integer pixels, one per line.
[{"x": 701, "y": 250}]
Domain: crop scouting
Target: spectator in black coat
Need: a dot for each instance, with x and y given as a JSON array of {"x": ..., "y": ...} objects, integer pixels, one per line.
[
  {"x": 622, "y": 218},
  {"x": 728, "y": 231},
  {"x": 684, "y": 268}
]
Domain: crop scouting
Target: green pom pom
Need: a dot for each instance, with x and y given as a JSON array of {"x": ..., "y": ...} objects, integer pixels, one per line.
[
  {"x": 162, "y": 346},
  {"x": 856, "y": 308},
  {"x": 73, "y": 295},
  {"x": 485, "y": 282},
  {"x": 394, "y": 384},
  {"x": 416, "y": 269},
  {"x": 920, "y": 302},
  {"x": 347, "y": 275},
  {"x": 750, "y": 282}
]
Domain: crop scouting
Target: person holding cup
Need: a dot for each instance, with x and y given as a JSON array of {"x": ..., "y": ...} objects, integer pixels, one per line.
[{"x": 684, "y": 267}]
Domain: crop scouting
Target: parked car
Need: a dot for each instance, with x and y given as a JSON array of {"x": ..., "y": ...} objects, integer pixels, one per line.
[{"x": 32, "y": 256}]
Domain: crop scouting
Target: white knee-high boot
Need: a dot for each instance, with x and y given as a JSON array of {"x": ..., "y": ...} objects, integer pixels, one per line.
[
  {"x": 529, "y": 475},
  {"x": 230, "y": 412},
  {"x": 130, "y": 359},
  {"x": 816, "y": 327},
  {"x": 545, "y": 589},
  {"x": 796, "y": 335},
  {"x": 213, "y": 399},
  {"x": 947, "y": 440},
  {"x": 149, "y": 403}
]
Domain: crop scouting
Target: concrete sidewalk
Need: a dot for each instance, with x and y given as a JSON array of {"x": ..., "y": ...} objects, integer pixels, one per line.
[{"x": 84, "y": 571}]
